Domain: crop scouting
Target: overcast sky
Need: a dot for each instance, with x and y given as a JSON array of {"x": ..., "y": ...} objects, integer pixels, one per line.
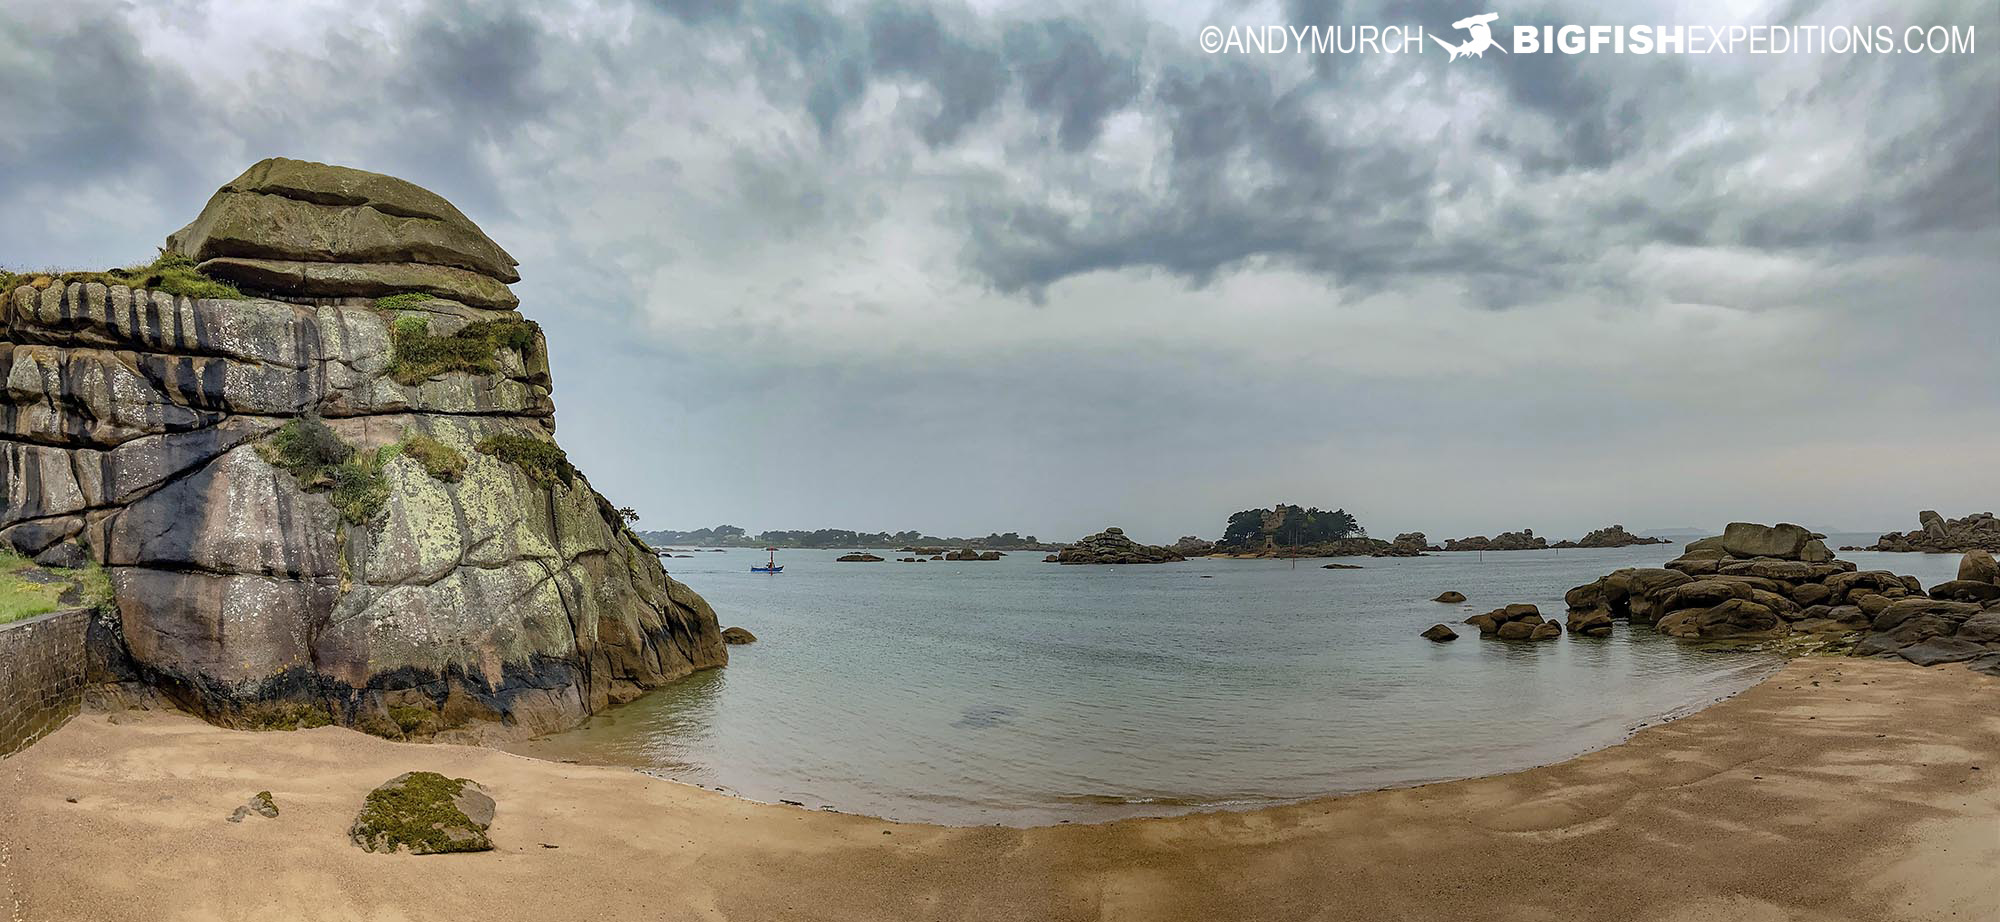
[{"x": 1049, "y": 267}]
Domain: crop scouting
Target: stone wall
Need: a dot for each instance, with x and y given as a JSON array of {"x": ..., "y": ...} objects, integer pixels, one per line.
[{"x": 41, "y": 676}]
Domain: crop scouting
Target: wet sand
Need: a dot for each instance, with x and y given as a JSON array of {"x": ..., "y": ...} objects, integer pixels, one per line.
[{"x": 1836, "y": 790}]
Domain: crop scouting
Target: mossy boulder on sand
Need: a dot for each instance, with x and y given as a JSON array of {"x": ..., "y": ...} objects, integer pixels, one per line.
[
  {"x": 318, "y": 507},
  {"x": 425, "y": 813}
]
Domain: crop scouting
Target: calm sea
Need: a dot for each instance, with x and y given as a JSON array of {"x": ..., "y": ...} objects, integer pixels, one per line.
[{"x": 1024, "y": 693}]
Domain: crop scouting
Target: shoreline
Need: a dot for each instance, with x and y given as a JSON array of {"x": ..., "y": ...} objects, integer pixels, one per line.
[
  {"x": 1835, "y": 789},
  {"x": 540, "y": 750}
]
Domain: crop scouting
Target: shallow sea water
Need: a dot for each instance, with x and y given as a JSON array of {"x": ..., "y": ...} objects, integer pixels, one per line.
[{"x": 1023, "y": 693}]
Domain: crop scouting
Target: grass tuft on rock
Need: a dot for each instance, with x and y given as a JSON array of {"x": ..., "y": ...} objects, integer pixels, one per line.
[
  {"x": 417, "y": 355},
  {"x": 541, "y": 459},
  {"x": 172, "y": 273},
  {"x": 314, "y": 454},
  {"x": 441, "y": 461}
]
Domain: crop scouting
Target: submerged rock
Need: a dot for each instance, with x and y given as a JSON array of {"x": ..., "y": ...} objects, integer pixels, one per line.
[
  {"x": 425, "y": 813},
  {"x": 858, "y": 558},
  {"x": 1450, "y": 597},
  {"x": 1438, "y": 633},
  {"x": 737, "y": 635}
]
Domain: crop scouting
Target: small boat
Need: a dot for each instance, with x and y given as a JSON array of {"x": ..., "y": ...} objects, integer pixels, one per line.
[{"x": 771, "y": 567}]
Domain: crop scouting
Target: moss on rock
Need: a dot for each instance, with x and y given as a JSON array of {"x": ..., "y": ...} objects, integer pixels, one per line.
[
  {"x": 541, "y": 459},
  {"x": 441, "y": 461},
  {"x": 424, "y": 813}
]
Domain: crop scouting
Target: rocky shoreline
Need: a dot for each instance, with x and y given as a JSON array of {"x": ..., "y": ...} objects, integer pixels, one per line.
[{"x": 1758, "y": 583}]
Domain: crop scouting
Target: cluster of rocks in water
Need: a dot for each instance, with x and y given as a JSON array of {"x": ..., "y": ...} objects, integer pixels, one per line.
[
  {"x": 1759, "y": 583},
  {"x": 338, "y": 498},
  {"x": 1519, "y": 621},
  {"x": 1527, "y": 540},
  {"x": 1764, "y": 583},
  {"x": 1523, "y": 540},
  {"x": 1611, "y": 536},
  {"x": 1110, "y": 546},
  {"x": 1939, "y": 535}
]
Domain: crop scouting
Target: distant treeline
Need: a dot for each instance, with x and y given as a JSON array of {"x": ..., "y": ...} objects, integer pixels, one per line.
[
  {"x": 732, "y": 536},
  {"x": 1289, "y": 526}
]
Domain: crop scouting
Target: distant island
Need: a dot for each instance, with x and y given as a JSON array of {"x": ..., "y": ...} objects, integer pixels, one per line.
[{"x": 733, "y": 536}]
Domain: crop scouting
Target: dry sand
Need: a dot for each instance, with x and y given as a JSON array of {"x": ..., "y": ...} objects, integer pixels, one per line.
[{"x": 1838, "y": 789}]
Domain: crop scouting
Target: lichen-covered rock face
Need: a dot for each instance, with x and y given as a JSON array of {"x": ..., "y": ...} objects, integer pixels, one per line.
[{"x": 444, "y": 568}]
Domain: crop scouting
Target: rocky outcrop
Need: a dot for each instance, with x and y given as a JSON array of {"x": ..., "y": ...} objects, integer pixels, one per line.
[
  {"x": 1450, "y": 597},
  {"x": 858, "y": 557},
  {"x": 1612, "y": 536},
  {"x": 1751, "y": 582},
  {"x": 1523, "y": 540},
  {"x": 1191, "y": 546},
  {"x": 970, "y": 554},
  {"x": 1408, "y": 544},
  {"x": 1438, "y": 633},
  {"x": 329, "y": 508},
  {"x": 1939, "y": 535},
  {"x": 1111, "y": 546},
  {"x": 1959, "y": 622}
]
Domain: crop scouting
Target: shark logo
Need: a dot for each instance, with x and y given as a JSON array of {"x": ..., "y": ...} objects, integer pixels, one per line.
[{"x": 1479, "y": 37}]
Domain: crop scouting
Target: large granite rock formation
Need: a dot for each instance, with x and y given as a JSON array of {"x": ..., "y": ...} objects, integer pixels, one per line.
[
  {"x": 1945, "y": 536},
  {"x": 1751, "y": 582},
  {"x": 1523, "y": 540},
  {"x": 1612, "y": 536},
  {"x": 325, "y": 508},
  {"x": 1111, "y": 546}
]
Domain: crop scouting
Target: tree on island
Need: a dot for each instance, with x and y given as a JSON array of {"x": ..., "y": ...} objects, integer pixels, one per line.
[{"x": 1289, "y": 526}]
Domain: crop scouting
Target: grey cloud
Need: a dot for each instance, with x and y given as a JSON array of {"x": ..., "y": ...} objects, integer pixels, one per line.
[{"x": 1066, "y": 71}]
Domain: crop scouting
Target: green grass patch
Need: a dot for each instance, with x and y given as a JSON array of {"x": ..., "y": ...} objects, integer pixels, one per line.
[
  {"x": 541, "y": 459},
  {"x": 417, "y": 355},
  {"x": 323, "y": 463},
  {"x": 441, "y": 461},
  {"x": 22, "y": 598},
  {"x": 170, "y": 272}
]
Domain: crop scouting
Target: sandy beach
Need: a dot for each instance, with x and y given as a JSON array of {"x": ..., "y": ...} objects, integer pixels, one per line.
[{"x": 1836, "y": 790}]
